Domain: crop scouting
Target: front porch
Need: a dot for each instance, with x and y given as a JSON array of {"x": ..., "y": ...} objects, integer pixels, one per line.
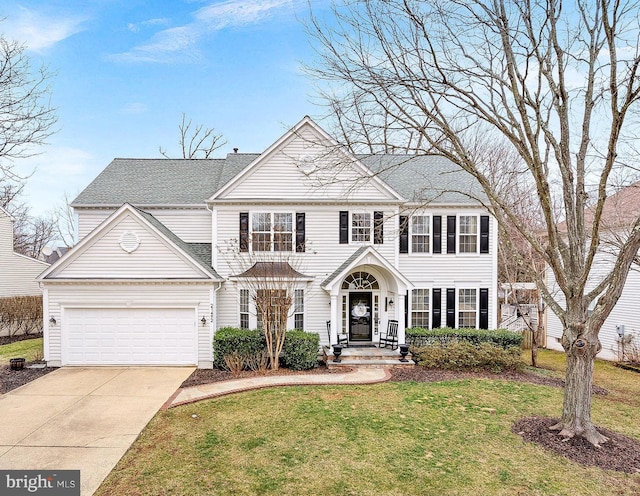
[{"x": 364, "y": 356}]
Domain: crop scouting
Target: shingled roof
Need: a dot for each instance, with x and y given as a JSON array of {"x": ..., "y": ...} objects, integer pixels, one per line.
[{"x": 142, "y": 182}]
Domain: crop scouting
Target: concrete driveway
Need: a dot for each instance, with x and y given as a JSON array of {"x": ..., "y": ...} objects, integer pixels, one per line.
[{"x": 82, "y": 418}]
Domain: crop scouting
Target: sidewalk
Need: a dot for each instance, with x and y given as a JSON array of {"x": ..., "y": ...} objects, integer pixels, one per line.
[{"x": 215, "y": 389}]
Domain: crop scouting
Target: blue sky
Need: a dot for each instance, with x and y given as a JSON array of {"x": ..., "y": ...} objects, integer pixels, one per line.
[{"x": 126, "y": 70}]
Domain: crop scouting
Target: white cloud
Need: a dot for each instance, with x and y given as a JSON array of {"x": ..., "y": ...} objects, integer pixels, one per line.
[
  {"x": 39, "y": 31},
  {"x": 136, "y": 27},
  {"x": 179, "y": 43}
]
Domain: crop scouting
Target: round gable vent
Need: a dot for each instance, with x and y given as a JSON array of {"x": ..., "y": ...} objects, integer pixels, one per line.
[{"x": 129, "y": 241}]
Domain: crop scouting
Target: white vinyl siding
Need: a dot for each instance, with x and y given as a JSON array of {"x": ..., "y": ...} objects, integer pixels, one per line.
[
  {"x": 284, "y": 174},
  {"x": 104, "y": 258},
  {"x": 17, "y": 272}
]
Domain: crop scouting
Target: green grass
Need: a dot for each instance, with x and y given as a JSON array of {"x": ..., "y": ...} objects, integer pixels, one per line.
[
  {"x": 448, "y": 438},
  {"x": 30, "y": 349}
]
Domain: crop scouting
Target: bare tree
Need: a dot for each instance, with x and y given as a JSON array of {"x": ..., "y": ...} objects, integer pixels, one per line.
[
  {"x": 26, "y": 116},
  {"x": 196, "y": 141},
  {"x": 271, "y": 276},
  {"x": 559, "y": 81},
  {"x": 65, "y": 229}
]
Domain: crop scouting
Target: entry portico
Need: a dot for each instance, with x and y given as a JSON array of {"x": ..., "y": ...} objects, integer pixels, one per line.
[{"x": 366, "y": 292}]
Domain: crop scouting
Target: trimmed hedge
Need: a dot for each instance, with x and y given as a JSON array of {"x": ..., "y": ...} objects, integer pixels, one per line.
[
  {"x": 463, "y": 355},
  {"x": 245, "y": 343},
  {"x": 301, "y": 350},
  {"x": 418, "y": 337}
]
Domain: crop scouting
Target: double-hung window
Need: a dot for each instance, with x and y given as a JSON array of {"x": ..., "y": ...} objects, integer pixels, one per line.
[
  {"x": 420, "y": 234},
  {"x": 361, "y": 226},
  {"x": 244, "y": 308},
  {"x": 468, "y": 237},
  {"x": 467, "y": 308},
  {"x": 272, "y": 231},
  {"x": 298, "y": 309},
  {"x": 420, "y": 306}
]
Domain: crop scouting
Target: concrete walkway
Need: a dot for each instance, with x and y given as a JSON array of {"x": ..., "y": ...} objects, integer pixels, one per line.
[
  {"x": 82, "y": 418},
  {"x": 215, "y": 389}
]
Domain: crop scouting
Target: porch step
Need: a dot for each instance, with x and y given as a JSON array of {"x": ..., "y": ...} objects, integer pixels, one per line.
[
  {"x": 368, "y": 364},
  {"x": 369, "y": 357}
]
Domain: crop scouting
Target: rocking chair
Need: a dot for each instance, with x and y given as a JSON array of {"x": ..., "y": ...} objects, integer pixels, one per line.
[
  {"x": 342, "y": 339},
  {"x": 391, "y": 336}
]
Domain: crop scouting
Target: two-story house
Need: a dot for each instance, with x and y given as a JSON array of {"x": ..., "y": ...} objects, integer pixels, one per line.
[{"x": 166, "y": 248}]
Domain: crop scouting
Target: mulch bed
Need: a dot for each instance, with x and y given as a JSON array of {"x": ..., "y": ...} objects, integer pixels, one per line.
[
  {"x": 12, "y": 379},
  {"x": 619, "y": 453}
]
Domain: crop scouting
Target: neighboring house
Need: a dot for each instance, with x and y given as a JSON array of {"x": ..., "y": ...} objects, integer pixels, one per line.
[
  {"x": 360, "y": 240},
  {"x": 17, "y": 272},
  {"x": 620, "y": 333}
]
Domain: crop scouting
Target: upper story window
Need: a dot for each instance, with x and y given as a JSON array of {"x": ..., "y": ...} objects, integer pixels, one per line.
[
  {"x": 361, "y": 227},
  {"x": 468, "y": 236},
  {"x": 420, "y": 234},
  {"x": 272, "y": 231}
]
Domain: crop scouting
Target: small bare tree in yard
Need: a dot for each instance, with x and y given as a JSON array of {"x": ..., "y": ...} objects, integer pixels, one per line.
[
  {"x": 271, "y": 277},
  {"x": 557, "y": 81},
  {"x": 196, "y": 141}
]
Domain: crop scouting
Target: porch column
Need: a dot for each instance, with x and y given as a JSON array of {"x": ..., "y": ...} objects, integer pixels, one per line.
[
  {"x": 400, "y": 314},
  {"x": 335, "y": 319}
]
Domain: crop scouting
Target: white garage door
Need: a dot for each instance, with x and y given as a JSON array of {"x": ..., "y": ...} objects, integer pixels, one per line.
[{"x": 129, "y": 336}]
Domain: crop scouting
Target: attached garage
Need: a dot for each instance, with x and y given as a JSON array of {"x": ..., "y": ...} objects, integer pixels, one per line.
[{"x": 129, "y": 336}]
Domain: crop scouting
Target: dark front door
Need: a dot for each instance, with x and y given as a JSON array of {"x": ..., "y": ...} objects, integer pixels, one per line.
[{"x": 360, "y": 317}]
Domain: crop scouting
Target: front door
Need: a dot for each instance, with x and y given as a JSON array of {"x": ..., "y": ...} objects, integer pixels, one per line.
[{"x": 360, "y": 316}]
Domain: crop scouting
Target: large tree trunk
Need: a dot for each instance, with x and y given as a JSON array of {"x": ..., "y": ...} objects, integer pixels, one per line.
[{"x": 576, "y": 409}]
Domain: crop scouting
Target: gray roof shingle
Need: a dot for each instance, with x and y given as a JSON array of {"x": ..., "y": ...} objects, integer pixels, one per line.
[{"x": 426, "y": 178}]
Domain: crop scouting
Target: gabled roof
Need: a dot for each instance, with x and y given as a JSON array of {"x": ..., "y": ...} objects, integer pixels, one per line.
[
  {"x": 198, "y": 254},
  {"x": 364, "y": 255},
  {"x": 183, "y": 182}
]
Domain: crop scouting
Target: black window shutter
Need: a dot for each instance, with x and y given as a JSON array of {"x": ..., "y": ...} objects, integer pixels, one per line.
[
  {"x": 406, "y": 311},
  {"x": 437, "y": 234},
  {"x": 300, "y": 232},
  {"x": 451, "y": 307},
  {"x": 484, "y": 308},
  {"x": 451, "y": 234},
  {"x": 378, "y": 233},
  {"x": 244, "y": 231},
  {"x": 436, "y": 312},
  {"x": 404, "y": 234},
  {"x": 344, "y": 227},
  {"x": 484, "y": 234}
]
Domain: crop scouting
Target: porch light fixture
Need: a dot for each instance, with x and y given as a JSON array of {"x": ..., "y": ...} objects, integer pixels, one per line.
[
  {"x": 204, "y": 321},
  {"x": 52, "y": 320},
  {"x": 390, "y": 302}
]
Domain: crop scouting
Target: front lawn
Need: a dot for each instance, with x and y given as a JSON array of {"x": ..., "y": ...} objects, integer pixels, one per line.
[
  {"x": 30, "y": 349},
  {"x": 446, "y": 438}
]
